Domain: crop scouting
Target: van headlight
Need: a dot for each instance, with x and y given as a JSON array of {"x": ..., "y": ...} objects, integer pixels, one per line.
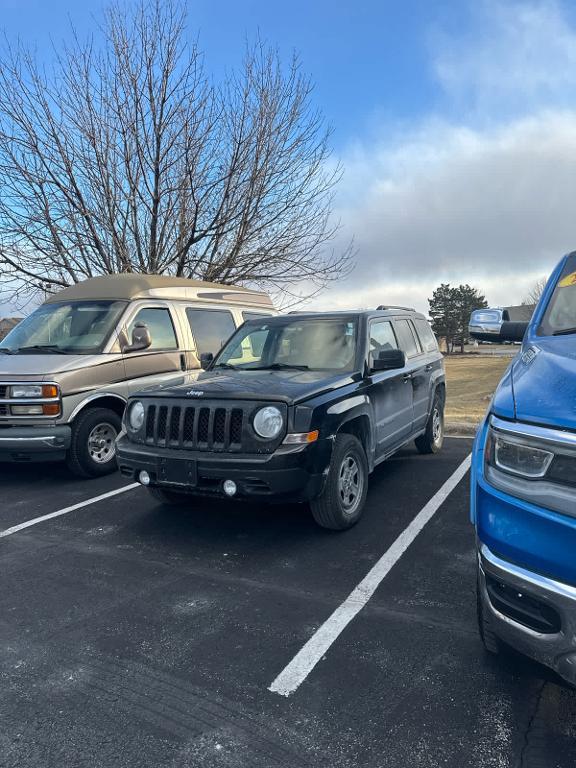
[
  {"x": 268, "y": 422},
  {"x": 518, "y": 457},
  {"x": 136, "y": 416}
]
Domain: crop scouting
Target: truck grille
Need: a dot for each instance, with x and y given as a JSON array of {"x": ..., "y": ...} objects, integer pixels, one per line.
[
  {"x": 3, "y": 391},
  {"x": 205, "y": 426}
]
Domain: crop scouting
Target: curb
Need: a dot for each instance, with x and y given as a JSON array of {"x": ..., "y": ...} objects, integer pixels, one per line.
[{"x": 461, "y": 429}]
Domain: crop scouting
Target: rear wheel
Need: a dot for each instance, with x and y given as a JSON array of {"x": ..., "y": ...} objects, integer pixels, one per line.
[
  {"x": 92, "y": 451},
  {"x": 341, "y": 503},
  {"x": 166, "y": 496},
  {"x": 433, "y": 438},
  {"x": 489, "y": 639}
]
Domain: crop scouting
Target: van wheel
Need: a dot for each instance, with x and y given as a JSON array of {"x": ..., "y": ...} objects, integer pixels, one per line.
[
  {"x": 489, "y": 640},
  {"x": 166, "y": 496},
  {"x": 341, "y": 503},
  {"x": 433, "y": 439},
  {"x": 92, "y": 451}
]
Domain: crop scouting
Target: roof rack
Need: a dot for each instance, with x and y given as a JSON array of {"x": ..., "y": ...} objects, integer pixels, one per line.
[{"x": 393, "y": 306}]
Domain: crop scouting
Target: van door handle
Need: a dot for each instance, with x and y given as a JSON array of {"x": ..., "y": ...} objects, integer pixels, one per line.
[
  {"x": 406, "y": 378},
  {"x": 182, "y": 362}
]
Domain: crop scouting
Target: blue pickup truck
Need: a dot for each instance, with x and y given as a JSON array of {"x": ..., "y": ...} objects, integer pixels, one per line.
[{"x": 523, "y": 493}]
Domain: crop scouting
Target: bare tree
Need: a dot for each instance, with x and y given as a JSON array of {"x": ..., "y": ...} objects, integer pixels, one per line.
[
  {"x": 535, "y": 292},
  {"x": 124, "y": 157}
]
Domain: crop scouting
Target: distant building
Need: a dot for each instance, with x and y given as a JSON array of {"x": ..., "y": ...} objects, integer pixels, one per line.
[
  {"x": 6, "y": 325},
  {"x": 520, "y": 314}
]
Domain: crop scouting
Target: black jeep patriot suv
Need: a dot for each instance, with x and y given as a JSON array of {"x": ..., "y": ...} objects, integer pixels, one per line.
[{"x": 300, "y": 407}]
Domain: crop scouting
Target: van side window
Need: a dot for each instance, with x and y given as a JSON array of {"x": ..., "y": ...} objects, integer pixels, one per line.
[
  {"x": 160, "y": 325},
  {"x": 210, "y": 328},
  {"x": 427, "y": 338},
  {"x": 407, "y": 338},
  {"x": 382, "y": 339},
  {"x": 255, "y": 315}
]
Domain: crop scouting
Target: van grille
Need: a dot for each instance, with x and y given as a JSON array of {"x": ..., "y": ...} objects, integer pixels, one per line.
[
  {"x": 3, "y": 391},
  {"x": 204, "y": 426}
]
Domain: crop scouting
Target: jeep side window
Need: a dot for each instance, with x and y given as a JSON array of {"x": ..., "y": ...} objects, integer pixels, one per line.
[
  {"x": 382, "y": 338},
  {"x": 407, "y": 338},
  {"x": 210, "y": 328},
  {"x": 427, "y": 338},
  {"x": 160, "y": 326}
]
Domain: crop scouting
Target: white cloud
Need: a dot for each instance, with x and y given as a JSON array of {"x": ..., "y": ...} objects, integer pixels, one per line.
[{"x": 490, "y": 202}]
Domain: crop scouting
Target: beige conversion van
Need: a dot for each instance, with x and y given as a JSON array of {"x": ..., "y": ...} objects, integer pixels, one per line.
[{"x": 67, "y": 369}]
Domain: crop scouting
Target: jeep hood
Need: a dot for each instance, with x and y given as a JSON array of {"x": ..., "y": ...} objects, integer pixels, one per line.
[
  {"x": 286, "y": 386},
  {"x": 543, "y": 382}
]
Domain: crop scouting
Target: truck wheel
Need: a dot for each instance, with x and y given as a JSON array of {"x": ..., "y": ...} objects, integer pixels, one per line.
[
  {"x": 433, "y": 439},
  {"x": 489, "y": 640},
  {"x": 92, "y": 452},
  {"x": 341, "y": 503},
  {"x": 166, "y": 496}
]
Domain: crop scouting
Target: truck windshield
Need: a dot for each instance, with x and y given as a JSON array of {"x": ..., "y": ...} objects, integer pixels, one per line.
[
  {"x": 560, "y": 315},
  {"x": 77, "y": 328},
  {"x": 316, "y": 345}
]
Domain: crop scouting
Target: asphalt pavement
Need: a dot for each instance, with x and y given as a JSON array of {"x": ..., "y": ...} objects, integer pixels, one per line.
[{"x": 138, "y": 635}]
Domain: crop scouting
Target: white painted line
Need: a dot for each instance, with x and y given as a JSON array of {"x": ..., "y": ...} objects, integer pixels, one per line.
[
  {"x": 87, "y": 503},
  {"x": 307, "y": 658}
]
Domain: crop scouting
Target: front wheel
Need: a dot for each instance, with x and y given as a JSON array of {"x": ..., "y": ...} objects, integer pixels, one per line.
[
  {"x": 341, "y": 503},
  {"x": 433, "y": 438},
  {"x": 489, "y": 639},
  {"x": 92, "y": 450}
]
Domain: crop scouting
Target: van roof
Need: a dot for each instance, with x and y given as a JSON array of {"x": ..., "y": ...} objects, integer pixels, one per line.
[{"x": 131, "y": 286}]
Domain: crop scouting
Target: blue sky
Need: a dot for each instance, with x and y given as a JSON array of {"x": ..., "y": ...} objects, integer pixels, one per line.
[{"x": 455, "y": 121}]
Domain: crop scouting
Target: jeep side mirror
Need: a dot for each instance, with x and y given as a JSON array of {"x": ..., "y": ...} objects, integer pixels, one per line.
[
  {"x": 206, "y": 359},
  {"x": 389, "y": 359},
  {"x": 141, "y": 338}
]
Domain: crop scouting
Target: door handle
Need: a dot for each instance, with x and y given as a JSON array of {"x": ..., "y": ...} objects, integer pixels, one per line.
[
  {"x": 429, "y": 367},
  {"x": 182, "y": 362},
  {"x": 406, "y": 378}
]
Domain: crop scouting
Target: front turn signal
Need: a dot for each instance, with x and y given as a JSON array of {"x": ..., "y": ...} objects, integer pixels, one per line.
[{"x": 301, "y": 438}]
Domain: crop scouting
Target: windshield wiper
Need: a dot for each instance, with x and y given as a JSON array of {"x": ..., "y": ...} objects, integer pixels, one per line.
[
  {"x": 564, "y": 332},
  {"x": 280, "y": 367},
  {"x": 6, "y": 351},
  {"x": 43, "y": 348},
  {"x": 226, "y": 365}
]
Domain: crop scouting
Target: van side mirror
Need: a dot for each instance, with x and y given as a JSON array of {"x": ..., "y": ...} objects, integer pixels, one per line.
[
  {"x": 206, "y": 359},
  {"x": 141, "y": 338},
  {"x": 389, "y": 359}
]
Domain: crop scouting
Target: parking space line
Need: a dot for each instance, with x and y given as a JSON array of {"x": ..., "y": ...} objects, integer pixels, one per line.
[
  {"x": 66, "y": 510},
  {"x": 310, "y": 654}
]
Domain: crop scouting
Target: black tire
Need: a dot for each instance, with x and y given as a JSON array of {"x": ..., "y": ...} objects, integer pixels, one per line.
[
  {"x": 92, "y": 426},
  {"x": 334, "y": 508},
  {"x": 166, "y": 496},
  {"x": 489, "y": 640},
  {"x": 433, "y": 439}
]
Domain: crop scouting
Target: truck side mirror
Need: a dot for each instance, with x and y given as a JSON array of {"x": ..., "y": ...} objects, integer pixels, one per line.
[
  {"x": 141, "y": 338},
  {"x": 206, "y": 359},
  {"x": 389, "y": 359}
]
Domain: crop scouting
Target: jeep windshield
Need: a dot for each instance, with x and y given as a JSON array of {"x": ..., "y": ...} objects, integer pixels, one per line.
[
  {"x": 560, "y": 316},
  {"x": 77, "y": 328},
  {"x": 299, "y": 344}
]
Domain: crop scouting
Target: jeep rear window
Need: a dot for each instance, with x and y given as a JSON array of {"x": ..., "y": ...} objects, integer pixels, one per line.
[{"x": 319, "y": 345}]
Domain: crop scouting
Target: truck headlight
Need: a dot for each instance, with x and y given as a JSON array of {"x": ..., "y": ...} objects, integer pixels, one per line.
[
  {"x": 519, "y": 457},
  {"x": 268, "y": 422},
  {"x": 136, "y": 416}
]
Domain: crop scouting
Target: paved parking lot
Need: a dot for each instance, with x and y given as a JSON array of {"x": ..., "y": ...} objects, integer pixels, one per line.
[{"x": 133, "y": 634}]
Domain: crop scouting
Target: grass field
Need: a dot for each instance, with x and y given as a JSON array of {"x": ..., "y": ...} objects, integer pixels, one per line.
[{"x": 470, "y": 382}]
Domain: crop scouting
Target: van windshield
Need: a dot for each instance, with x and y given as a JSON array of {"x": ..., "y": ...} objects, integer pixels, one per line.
[
  {"x": 77, "y": 328},
  {"x": 560, "y": 315}
]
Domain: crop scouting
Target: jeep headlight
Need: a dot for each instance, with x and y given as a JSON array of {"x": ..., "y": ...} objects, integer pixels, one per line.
[
  {"x": 518, "y": 457},
  {"x": 268, "y": 422},
  {"x": 136, "y": 416}
]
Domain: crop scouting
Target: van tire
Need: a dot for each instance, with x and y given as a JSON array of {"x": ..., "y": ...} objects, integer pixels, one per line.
[
  {"x": 348, "y": 460},
  {"x": 433, "y": 438},
  {"x": 90, "y": 426},
  {"x": 166, "y": 496}
]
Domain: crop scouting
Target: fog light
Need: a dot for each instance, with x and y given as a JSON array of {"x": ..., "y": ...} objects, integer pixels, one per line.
[
  {"x": 230, "y": 487},
  {"x": 144, "y": 478}
]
